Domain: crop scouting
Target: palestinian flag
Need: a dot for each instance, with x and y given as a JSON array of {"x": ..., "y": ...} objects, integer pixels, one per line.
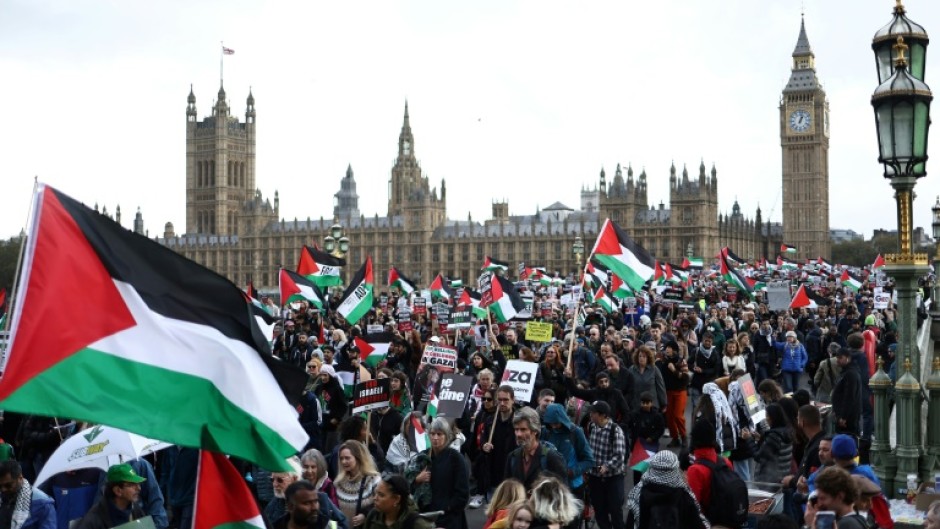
[
  {"x": 817, "y": 299},
  {"x": 786, "y": 264},
  {"x": 265, "y": 319},
  {"x": 157, "y": 345},
  {"x": 320, "y": 267},
  {"x": 659, "y": 276},
  {"x": 492, "y": 265},
  {"x": 619, "y": 289},
  {"x": 693, "y": 263},
  {"x": 678, "y": 274},
  {"x": 440, "y": 288},
  {"x": 596, "y": 274},
  {"x": 641, "y": 454},
  {"x": 358, "y": 298},
  {"x": 851, "y": 280},
  {"x": 732, "y": 276},
  {"x": 434, "y": 405},
  {"x": 802, "y": 299},
  {"x": 824, "y": 264},
  {"x": 879, "y": 262},
  {"x": 456, "y": 283},
  {"x": 472, "y": 299},
  {"x": 295, "y": 287},
  {"x": 373, "y": 348},
  {"x": 223, "y": 499},
  {"x": 421, "y": 437},
  {"x": 398, "y": 280},
  {"x": 732, "y": 258},
  {"x": 755, "y": 284},
  {"x": 787, "y": 248},
  {"x": 506, "y": 301},
  {"x": 602, "y": 298},
  {"x": 622, "y": 256}
]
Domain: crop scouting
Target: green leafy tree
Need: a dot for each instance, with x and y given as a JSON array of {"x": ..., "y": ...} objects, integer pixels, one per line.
[{"x": 9, "y": 253}]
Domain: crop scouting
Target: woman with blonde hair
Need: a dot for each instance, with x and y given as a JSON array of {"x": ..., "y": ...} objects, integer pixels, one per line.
[
  {"x": 356, "y": 482},
  {"x": 507, "y": 494},
  {"x": 553, "y": 504}
]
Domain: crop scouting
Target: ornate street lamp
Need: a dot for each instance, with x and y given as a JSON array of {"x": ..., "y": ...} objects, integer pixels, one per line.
[
  {"x": 902, "y": 116},
  {"x": 336, "y": 243}
]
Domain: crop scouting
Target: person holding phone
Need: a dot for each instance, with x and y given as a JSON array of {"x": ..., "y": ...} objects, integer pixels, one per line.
[{"x": 834, "y": 503}]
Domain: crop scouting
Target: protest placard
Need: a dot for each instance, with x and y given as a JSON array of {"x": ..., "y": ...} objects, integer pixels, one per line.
[
  {"x": 538, "y": 331},
  {"x": 485, "y": 284},
  {"x": 419, "y": 306},
  {"x": 404, "y": 321},
  {"x": 436, "y": 361},
  {"x": 778, "y": 295},
  {"x": 461, "y": 317},
  {"x": 755, "y": 406},
  {"x": 521, "y": 376},
  {"x": 528, "y": 299},
  {"x": 373, "y": 328},
  {"x": 882, "y": 299},
  {"x": 371, "y": 395},
  {"x": 672, "y": 295},
  {"x": 455, "y": 390},
  {"x": 547, "y": 308}
]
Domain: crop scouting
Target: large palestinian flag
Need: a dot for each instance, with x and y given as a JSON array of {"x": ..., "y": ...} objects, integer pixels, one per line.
[
  {"x": 732, "y": 276},
  {"x": 506, "y": 300},
  {"x": 440, "y": 288},
  {"x": 358, "y": 298},
  {"x": 223, "y": 499},
  {"x": 850, "y": 280},
  {"x": 622, "y": 256},
  {"x": 295, "y": 287},
  {"x": 155, "y": 344},
  {"x": 320, "y": 267},
  {"x": 398, "y": 280}
]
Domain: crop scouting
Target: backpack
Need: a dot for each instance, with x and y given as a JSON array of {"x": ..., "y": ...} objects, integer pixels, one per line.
[{"x": 729, "y": 500}]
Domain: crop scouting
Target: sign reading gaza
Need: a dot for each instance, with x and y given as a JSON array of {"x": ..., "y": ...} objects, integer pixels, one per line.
[
  {"x": 437, "y": 355},
  {"x": 371, "y": 395}
]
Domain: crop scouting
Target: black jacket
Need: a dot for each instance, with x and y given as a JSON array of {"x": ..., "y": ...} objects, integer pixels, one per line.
[
  {"x": 99, "y": 516},
  {"x": 847, "y": 399},
  {"x": 660, "y": 501},
  {"x": 554, "y": 463},
  {"x": 450, "y": 489},
  {"x": 710, "y": 366}
]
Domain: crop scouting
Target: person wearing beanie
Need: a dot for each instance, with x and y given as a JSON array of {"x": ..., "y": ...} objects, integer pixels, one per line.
[
  {"x": 663, "y": 491},
  {"x": 702, "y": 442},
  {"x": 332, "y": 403}
]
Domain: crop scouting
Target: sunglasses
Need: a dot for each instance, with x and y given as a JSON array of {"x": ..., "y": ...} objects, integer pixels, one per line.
[
  {"x": 279, "y": 479},
  {"x": 488, "y": 399}
]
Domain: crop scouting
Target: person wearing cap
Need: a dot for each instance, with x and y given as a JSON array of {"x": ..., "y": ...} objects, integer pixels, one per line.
[
  {"x": 793, "y": 361},
  {"x": 119, "y": 504},
  {"x": 606, "y": 479},
  {"x": 847, "y": 396}
]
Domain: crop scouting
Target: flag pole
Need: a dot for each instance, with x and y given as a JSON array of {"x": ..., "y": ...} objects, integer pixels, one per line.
[
  {"x": 11, "y": 304},
  {"x": 221, "y": 57},
  {"x": 574, "y": 321}
]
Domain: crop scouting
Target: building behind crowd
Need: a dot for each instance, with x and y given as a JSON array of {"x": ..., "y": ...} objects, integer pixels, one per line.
[{"x": 233, "y": 229}]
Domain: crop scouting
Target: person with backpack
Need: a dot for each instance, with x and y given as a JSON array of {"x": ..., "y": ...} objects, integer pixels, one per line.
[
  {"x": 606, "y": 479},
  {"x": 570, "y": 441},
  {"x": 662, "y": 499},
  {"x": 721, "y": 492},
  {"x": 532, "y": 457}
]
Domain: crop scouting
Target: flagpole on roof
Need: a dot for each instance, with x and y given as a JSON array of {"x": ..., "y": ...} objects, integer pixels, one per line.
[
  {"x": 221, "y": 57},
  {"x": 12, "y": 304}
]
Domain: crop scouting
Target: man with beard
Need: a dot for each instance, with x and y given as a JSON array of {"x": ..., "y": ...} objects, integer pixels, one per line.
[
  {"x": 532, "y": 458},
  {"x": 118, "y": 505},
  {"x": 303, "y": 508},
  {"x": 497, "y": 446},
  {"x": 276, "y": 508},
  {"x": 21, "y": 506}
]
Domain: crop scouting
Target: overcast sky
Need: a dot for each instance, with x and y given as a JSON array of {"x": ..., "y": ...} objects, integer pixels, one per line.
[{"x": 518, "y": 100}]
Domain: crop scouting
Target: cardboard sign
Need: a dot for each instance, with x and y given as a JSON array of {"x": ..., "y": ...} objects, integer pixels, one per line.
[
  {"x": 461, "y": 317},
  {"x": 404, "y": 321},
  {"x": 437, "y": 361},
  {"x": 485, "y": 284},
  {"x": 440, "y": 355},
  {"x": 882, "y": 300},
  {"x": 479, "y": 336},
  {"x": 547, "y": 309},
  {"x": 420, "y": 306},
  {"x": 755, "y": 406},
  {"x": 371, "y": 395},
  {"x": 453, "y": 395},
  {"x": 538, "y": 331},
  {"x": 528, "y": 298},
  {"x": 778, "y": 295},
  {"x": 521, "y": 376},
  {"x": 374, "y": 328}
]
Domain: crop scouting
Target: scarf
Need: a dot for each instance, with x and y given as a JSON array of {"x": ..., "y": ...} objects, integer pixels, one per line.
[
  {"x": 723, "y": 413},
  {"x": 737, "y": 401},
  {"x": 21, "y": 507},
  {"x": 663, "y": 470}
]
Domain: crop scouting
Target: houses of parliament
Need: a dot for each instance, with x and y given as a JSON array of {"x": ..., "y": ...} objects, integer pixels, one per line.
[{"x": 235, "y": 230}]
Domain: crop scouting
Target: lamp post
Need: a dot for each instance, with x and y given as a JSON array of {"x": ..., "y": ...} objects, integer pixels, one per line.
[
  {"x": 902, "y": 116},
  {"x": 337, "y": 244}
]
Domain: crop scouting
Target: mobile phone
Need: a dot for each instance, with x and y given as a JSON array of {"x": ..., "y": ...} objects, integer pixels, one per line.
[{"x": 825, "y": 520}]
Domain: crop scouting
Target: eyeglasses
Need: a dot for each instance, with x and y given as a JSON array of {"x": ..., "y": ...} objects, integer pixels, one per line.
[
  {"x": 488, "y": 399},
  {"x": 278, "y": 479}
]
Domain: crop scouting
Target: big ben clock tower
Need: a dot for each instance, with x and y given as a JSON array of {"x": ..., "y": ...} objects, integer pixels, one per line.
[{"x": 804, "y": 139}]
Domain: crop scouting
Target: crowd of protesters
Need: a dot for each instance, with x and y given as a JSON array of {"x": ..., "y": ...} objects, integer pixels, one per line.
[{"x": 604, "y": 386}]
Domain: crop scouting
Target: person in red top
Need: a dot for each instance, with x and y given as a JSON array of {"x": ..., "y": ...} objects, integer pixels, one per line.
[{"x": 702, "y": 442}]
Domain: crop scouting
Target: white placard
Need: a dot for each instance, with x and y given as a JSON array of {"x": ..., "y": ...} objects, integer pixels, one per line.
[{"x": 521, "y": 376}]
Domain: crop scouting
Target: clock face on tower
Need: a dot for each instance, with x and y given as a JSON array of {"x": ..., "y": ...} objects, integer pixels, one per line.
[
  {"x": 406, "y": 147},
  {"x": 800, "y": 120}
]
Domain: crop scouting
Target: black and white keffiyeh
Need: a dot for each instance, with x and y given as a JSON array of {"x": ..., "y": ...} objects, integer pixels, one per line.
[
  {"x": 21, "y": 508},
  {"x": 723, "y": 413},
  {"x": 663, "y": 470}
]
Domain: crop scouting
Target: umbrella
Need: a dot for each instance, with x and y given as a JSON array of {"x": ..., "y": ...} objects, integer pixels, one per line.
[{"x": 97, "y": 447}]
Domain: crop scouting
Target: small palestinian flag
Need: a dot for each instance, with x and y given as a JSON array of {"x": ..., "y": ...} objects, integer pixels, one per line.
[
  {"x": 506, "y": 300},
  {"x": 732, "y": 276},
  {"x": 398, "y": 280},
  {"x": 434, "y": 405},
  {"x": 222, "y": 496},
  {"x": 850, "y": 280},
  {"x": 786, "y": 248},
  {"x": 373, "y": 348},
  {"x": 456, "y": 283},
  {"x": 142, "y": 316},
  {"x": 440, "y": 288},
  {"x": 472, "y": 299},
  {"x": 823, "y": 264},
  {"x": 641, "y": 454},
  {"x": 785, "y": 264},
  {"x": 619, "y": 289},
  {"x": 295, "y": 287},
  {"x": 755, "y": 284},
  {"x": 693, "y": 263},
  {"x": 622, "y": 256},
  {"x": 732, "y": 258},
  {"x": 492, "y": 265},
  {"x": 802, "y": 299},
  {"x": 603, "y": 299},
  {"x": 421, "y": 437},
  {"x": 879, "y": 262},
  {"x": 358, "y": 298},
  {"x": 320, "y": 267}
]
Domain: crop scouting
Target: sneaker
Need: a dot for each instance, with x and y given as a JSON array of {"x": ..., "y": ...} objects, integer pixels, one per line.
[{"x": 476, "y": 501}]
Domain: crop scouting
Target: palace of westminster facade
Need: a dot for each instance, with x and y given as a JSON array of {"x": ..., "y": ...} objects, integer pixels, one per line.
[{"x": 234, "y": 230}]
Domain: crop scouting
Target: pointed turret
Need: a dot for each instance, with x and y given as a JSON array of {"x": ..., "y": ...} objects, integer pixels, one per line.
[
  {"x": 117, "y": 214},
  {"x": 803, "y": 74},
  {"x": 603, "y": 180},
  {"x": 685, "y": 173},
  {"x": 139, "y": 223},
  {"x": 802, "y": 42},
  {"x": 191, "y": 105},
  {"x": 406, "y": 140},
  {"x": 221, "y": 106}
]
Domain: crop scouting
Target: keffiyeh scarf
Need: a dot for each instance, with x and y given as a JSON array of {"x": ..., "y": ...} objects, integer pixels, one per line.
[
  {"x": 663, "y": 470},
  {"x": 723, "y": 413},
  {"x": 21, "y": 508}
]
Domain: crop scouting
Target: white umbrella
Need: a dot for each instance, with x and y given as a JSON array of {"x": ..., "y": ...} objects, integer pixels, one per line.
[{"x": 97, "y": 447}]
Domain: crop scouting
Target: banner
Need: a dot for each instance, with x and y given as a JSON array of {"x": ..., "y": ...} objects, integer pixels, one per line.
[
  {"x": 455, "y": 389},
  {"x": 485, "y": 284},
  {"x": 881, "y": 299},
  {"x": 436, "y": 361},
  {"x": 420, "y": 306},
  {"x": 521, "y": 376},
  {"x": 547, "y": 309},
  {"x": 373, "y": 328},
  {"x": 371, "y": 395},
  {"x": 461, "y": 317},
  {"x": 778, "y": 295},
  {"x": 404, "y": 321},
  {"x": 538, "y": 331}
]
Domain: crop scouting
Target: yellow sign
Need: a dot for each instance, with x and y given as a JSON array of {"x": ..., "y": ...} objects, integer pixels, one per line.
[{"x": 536, "y": 331}]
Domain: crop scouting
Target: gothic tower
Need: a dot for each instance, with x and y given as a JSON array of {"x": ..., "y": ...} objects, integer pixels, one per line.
[
  {"x": 220, "y": 166},
  {"x": 804, "y": 139},
  {"x": 346, "y": 203},
  {"x": 694, "y": 203},
  {"x": 410, "y": 194}
]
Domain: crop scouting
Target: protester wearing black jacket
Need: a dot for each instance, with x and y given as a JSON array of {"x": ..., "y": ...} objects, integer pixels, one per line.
[{"x": 847, "y": 396}]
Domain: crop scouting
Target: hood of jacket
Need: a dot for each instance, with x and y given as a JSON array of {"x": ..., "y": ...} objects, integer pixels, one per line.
[{"x": 555, "y": 414}]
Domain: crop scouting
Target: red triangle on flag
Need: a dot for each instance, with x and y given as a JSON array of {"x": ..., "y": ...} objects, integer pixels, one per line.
[
  {"x": 879, "y": 262},
  {"x": 307, "y": 265},
  {"x": 800, "y": 300},
  {"x": 222, "y": 497},
  {"x": 365, "y": 348}
]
